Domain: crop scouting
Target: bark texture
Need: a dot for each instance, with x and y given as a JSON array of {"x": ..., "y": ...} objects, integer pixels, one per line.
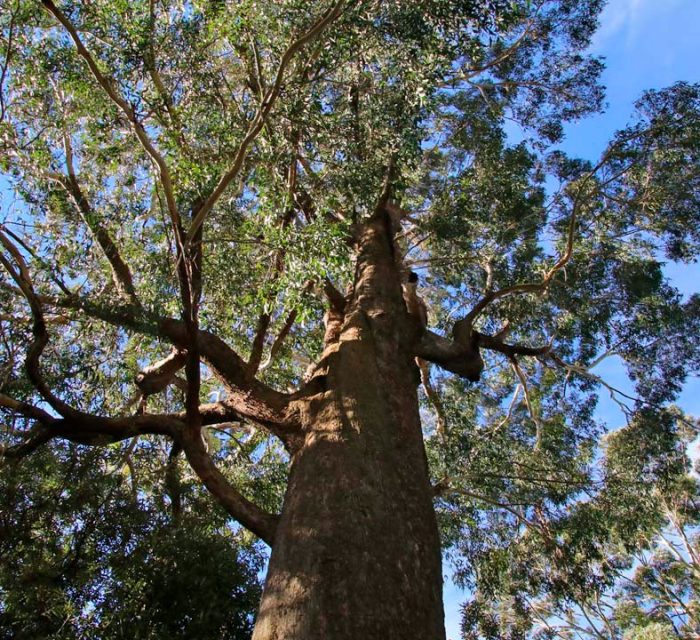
[{"x": 356, "y": 552}]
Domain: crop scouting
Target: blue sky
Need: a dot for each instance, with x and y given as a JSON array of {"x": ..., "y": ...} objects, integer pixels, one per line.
[{"x": 647, "y": 44}]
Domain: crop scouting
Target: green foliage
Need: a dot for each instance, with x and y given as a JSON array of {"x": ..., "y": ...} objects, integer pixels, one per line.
[
  {"x": 96, "y": 545},
  {"x": 653, "y": 631},
  {"x": 641, "y": 578}
]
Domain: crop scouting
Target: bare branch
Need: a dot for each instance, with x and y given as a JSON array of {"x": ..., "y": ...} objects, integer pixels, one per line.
[
  {"x": 433, "y": 396},
  {"x": 279, "y": 340},
  {"x": 256, "y": 350},
  {"x": 93, "y": 430},
  {"x": 36, "y": 438},
  {"x": 494, "y": 343},
  {"x": 89, "y": 429},
  {"x": 530, "y": 407}
]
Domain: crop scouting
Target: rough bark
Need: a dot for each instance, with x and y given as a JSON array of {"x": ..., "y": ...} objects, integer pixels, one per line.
[{"x": 356, "y": 552}]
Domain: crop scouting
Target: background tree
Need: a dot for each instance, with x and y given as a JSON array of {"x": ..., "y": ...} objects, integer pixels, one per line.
[
  {"x": 96, "y": 545},
  {"x": 636, "y": 577},
  {"x": 663, "y": 591},
  {"x": 221, "y": 202}
]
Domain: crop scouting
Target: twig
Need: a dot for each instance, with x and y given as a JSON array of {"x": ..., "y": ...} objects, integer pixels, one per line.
[{"x": 535, "y": 418}]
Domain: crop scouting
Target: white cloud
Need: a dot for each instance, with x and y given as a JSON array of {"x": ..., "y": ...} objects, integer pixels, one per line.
[{"x": 626, "y": 19}]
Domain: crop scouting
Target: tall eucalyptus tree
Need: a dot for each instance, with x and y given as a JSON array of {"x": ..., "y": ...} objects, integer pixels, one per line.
[{"x": 216, "y": 206}]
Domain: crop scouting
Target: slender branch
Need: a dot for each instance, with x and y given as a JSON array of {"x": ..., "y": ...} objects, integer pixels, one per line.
[
  {"x": 252, "y": 517},
  {"x": 108, "y": 85},
  {"x": 598, "y": 609},
  {"x": 584, "y": 372},
  {"x": 121, "y": 273},
  {"x": 259, "y": 77},
  {"x": 511, "y": 407},
  {"x": 256, "y": 350},
  {"x": 152, "y": 67},
  {"x": 279, "y": 340},
  {"x": 278, "y": 266},
  {"x": 526, "y": 478},
  {"x": 463, "y": 326},
  {"x": 6, "y": 62},
  {"x": 680, "y": 530},
  {"x": 531, "y": 410},
  {"x": 26, "y": 409},
  {"x": 543, "y": 621},
  {"x": 23, "y": 280},
  {"x": 36, "y": 438},
  {"x": 433, "y": 396},
  {"x": 258, "y": 122},
  {"x": 502, "y": 57},
  {"x": 336, "y": 299},
  {"x": 52, "y": 269},
  {"x": 444, "y": 488},
  {"x": 592, "y": 627},
  {"x": 491, "y": 296}
]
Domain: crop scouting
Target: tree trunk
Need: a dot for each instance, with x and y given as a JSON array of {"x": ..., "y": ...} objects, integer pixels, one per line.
[{"x": 356, "y": 553}]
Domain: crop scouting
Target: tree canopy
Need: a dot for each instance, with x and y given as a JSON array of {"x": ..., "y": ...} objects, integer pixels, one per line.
[{"x": 184, "y": 183}]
